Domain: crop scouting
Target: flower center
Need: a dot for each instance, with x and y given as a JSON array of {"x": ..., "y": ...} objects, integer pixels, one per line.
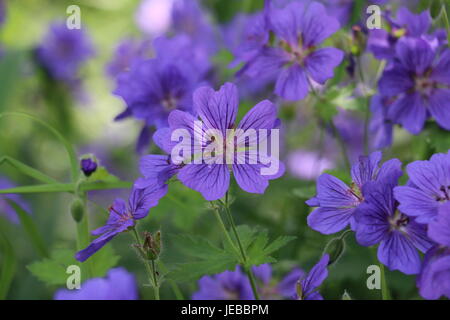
[
  {"x": 445, "y": 194},
  {"x": 424, "y": 85},
  {"x": 169, "y": 103},
  {"x": 399, "y": 221}
]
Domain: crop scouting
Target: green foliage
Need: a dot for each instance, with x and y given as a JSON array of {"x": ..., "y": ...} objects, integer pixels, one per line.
[
  {"x": 52, "y": 271},
  {"x": 8, "y": 265},
  {"x": 212, "y": 259},
  {"x": 102, "y": 174}
]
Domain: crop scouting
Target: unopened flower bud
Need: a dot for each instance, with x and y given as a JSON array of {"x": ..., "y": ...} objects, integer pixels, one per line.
[{"x": 77, "y": 209}]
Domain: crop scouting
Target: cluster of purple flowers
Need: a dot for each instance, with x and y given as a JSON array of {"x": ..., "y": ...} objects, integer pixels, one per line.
[
  {"x": 401, "y": 219},
  {"x": 234, "y": 285}
]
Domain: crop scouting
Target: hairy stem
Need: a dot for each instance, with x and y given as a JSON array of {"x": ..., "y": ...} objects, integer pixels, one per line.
[{"x": 150, "y": 267}]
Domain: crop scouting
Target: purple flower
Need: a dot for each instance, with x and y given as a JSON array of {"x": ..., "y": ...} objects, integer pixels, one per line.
[
  {"x": 434, "y": 279},
  {"x": 382, "y": 43},
  {"x": 63, "y": 51},
  {"x": 419, "y": 81},
  {"x": 337, "y": 202},
  {"x": 217, "y": 112},
  {"x": 439, "y": 228},
  {"x": 294, "y": 57},
  {"x": 380, "y": 127},
  {"x": 128, "y": 51},
  {"x": 228, "y": 285},
  {"x": 268, "y": 289},
  {"x": 379, "y": 221},
  {"x": 307, "y": 285},
  {"x": 88, "y": 166},
  {"x": 118, "y": 284},
  {"x": 5, "y": 208},
  {"x": 122, "y": 216},
  {"x": 428, "y": 188},
  {"x": 308, "y": 165}
]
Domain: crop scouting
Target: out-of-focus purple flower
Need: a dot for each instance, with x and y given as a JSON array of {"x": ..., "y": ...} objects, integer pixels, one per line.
[
  {"x": 268, "y": 290},
  {"x": 118, "y": 284},
  {"x": 122, "y": 216},
  {"x": 380, "y": 127},
  {"x": 350, "y": 128},
  {"x": 378, "y": 220},
  {"x": 217, "y": 112},
  {"x": 434, "y": 278},
  {"x": 428, "y": 188},
  {"x": 5, "y": 207},
  {"x": 153, "y": 88},
  {"x": 154, "y": 17},
  {"x": 63, "y": 51},
  {"x": 337, "y": 202},
  {"x": 189, "y": 18},
  {"x": 228, "y": 285},
  {"x": 419, "y": 80},
  {"x": 128, "y": 51},
  {"x": 307, "y": 285},
  {"x": 382, "y": 43},
  {"x": 308, "y": 165},
  {"x": 294, "y": 57},
  {"x": 88, "y": 166}
]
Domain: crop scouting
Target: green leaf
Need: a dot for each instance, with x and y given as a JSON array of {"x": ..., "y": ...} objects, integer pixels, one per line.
[
  {"x": 52, "y": 271},
  {"x": 210, "y": 258},
  {"x": 8, "y": 265},
  {"x": 104, "y": 260},
  {"x": 260, "y": 250},
  {"x": 30, "y": 228},
  {"x": 102, "y": 174}
]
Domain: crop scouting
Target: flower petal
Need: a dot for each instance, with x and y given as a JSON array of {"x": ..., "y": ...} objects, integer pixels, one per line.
[
  {"x": 320, "y": 64},
  {"x": 292, "y": 83}
]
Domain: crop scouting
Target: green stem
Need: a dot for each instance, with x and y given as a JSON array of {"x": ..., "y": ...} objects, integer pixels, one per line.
[
  {"x": 224, "y": 230},
  {"x": 150, "y": 267},
  {"x": 176, "y": 290},
  {"x": 385, "y": 294},
  {"x": 248, "y": 269},
  {"x": 68, "y": 187},
  {"x": 84, "y": 237}
]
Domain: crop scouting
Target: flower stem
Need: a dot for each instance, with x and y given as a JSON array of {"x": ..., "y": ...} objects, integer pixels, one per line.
[
  {"x": 385, "y": 294},
  {"x": 150, "y": 267},
  {"x": 248, "y": 269}
]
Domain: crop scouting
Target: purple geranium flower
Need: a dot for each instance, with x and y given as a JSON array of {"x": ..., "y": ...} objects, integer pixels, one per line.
[
  {"x": 217, "y": 112},
  {"x": 434, "y": 278},
  {"x": 428, "y": 188},
  {"x": 118, "y": 284},
  {"x": 380, "y": 128},
  {"x": 268, "y": 290},
  {"x": 439, "y": 228},
  {"x": 294, "y": 57},
  {"x": 5, "y": 207},
  {"x": 382, "y": 42},
  {"x": 379, "y": 221},
  {"x": 307, "y": 285},
  {"x": 88, "y": 166},
  {"x": 337, "y": 202},
  {"x": 419, "y": 80},
  {"x": 228, "y": 285},
  {"x": 128, "y": 51},
  {"x": 63, "y": 51},
  {"x": 122, "y": 216}
]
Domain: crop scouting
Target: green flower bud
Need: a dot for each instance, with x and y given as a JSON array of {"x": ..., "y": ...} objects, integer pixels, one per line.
[{"x": 77, "y": 209}]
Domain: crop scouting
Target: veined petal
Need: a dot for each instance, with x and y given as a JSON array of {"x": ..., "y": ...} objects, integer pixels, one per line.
[
  {"x": 292, "y": 83},
  {"x": 320, "y": 64},
  {"x": 330, "y": 220}
]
